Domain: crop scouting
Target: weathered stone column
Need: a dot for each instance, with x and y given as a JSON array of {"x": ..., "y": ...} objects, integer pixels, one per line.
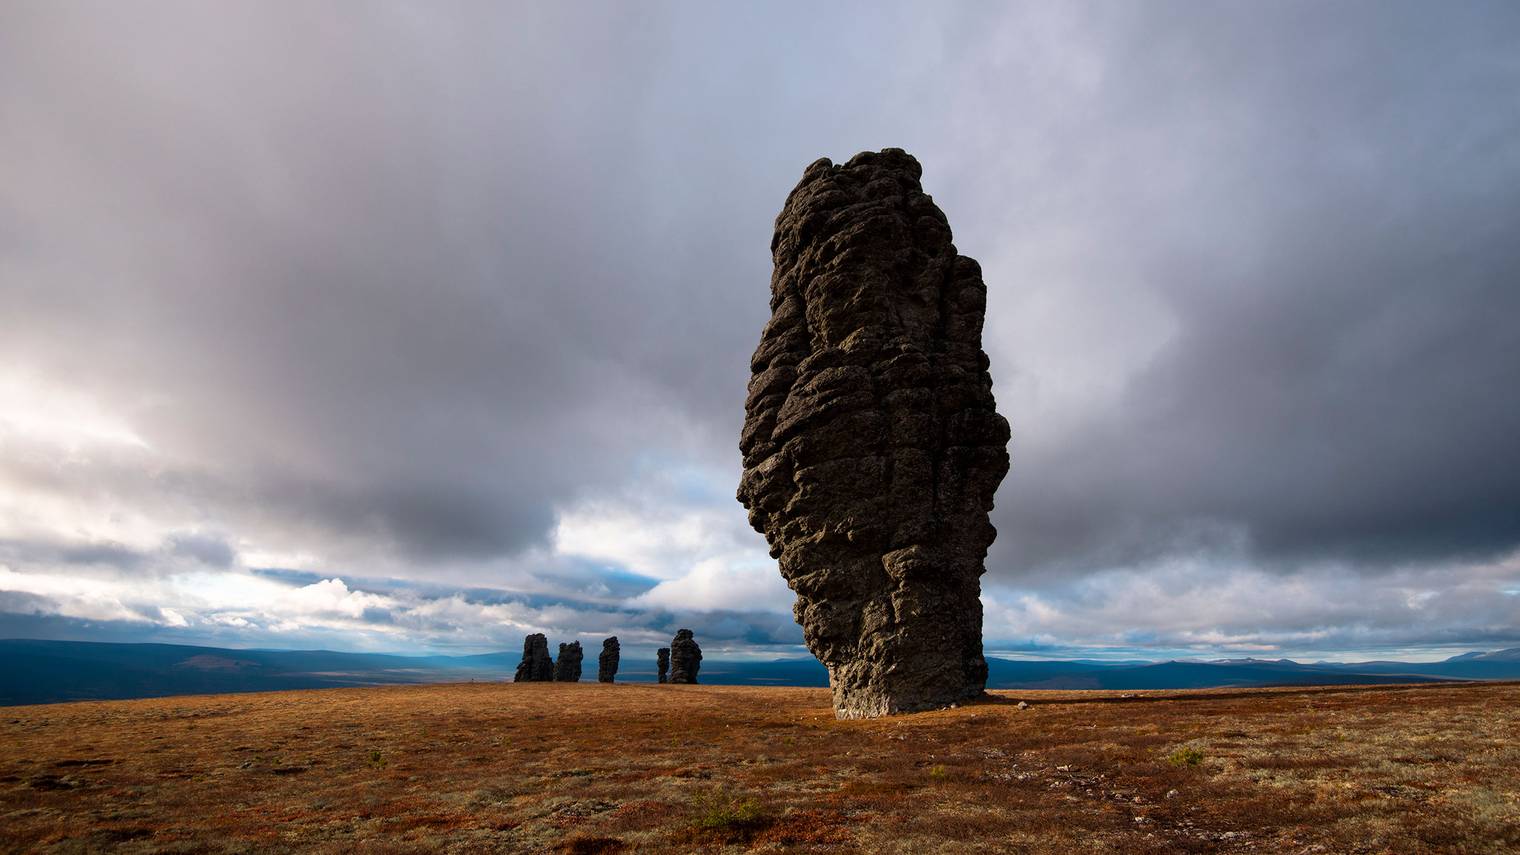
[
  {"x": 872, "y": 447},
  {"x": 685, "y": 657},
  {"x": 662, "y": 660},
  {"x": 607, "y": 663},
  {"x": 536, "y": 666},
  {"x": 568, "y": 668}
]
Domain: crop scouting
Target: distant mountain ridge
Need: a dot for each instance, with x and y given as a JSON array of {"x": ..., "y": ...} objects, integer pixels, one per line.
[{"x": 36, "y": 671}]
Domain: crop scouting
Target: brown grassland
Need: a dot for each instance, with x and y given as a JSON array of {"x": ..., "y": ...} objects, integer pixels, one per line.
[{"x": 642, "y": 768}]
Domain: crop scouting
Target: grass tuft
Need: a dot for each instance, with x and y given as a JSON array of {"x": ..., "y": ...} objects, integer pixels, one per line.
[
  {"x": 728, "y": 815},
  {"x": 1187, "y": 755}
]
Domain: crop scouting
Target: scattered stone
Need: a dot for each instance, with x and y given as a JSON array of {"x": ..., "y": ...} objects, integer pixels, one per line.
[
  {"x": 71, "y": 763},
  {"x": 568, "y": 668},
  {"x": 1023, "y": 705},
  {"x": 685, "y": 657},
  {"x": 1171, "y": 794},
  {"x": 607, "y": 663},
  {"x": 52, "y": 782},
  {"x": 872, "y": 447},
  {"x": 536, "y": 666},
  {"x": 662, "y": 659}
]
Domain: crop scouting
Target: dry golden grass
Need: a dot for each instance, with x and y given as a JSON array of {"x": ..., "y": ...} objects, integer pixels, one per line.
[{"x": 641, "y": 768}]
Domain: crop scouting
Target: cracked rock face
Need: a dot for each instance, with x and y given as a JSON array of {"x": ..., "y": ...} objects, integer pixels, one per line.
[
  {"x": 568, "y": 668},
  {"x": 607, "y": 663},
  {"x": 872, "y": 447},
  {"x": 685, "y": 657},
  {"x": 536, "y": 666},
  {"x": 662, "y": 660}
]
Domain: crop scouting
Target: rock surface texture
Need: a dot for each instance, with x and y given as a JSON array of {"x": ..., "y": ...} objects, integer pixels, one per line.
[
  {"x": 536, "y": 666},
  {"x": 662, "y": 660},
  {"x": 607, "y": 663},
  {"x": 685, "y": 657},
  {"x": 872, "y": 447},
  {"x": 568, "y": 668}
]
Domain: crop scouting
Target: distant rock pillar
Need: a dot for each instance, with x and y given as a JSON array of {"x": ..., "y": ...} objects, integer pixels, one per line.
[
  {"x": 536, "y": 666},
  {"x": 568, "y": 668},
  {"x": 685, "y": 658},
  {"x": 662, "y": 659},
  {"x": 607, "y": 663}
]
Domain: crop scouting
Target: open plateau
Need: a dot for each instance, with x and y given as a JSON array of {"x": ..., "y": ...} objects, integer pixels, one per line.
[{"x": 592, "y": 767}]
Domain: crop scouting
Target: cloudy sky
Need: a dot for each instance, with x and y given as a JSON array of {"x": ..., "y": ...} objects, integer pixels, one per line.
[{"x": 418, "y": 327}]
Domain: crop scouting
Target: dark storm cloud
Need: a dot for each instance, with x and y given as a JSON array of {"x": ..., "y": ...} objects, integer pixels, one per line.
[
  {"x": 25, "y": 552},
  {"x": 177, "y": 551},
  {"x": 408, "y": 280},
  {"x": 401, "y": 283},
  {"x": 208, "y": 549},
  {"x": 1333, "y": 248},
  {"x": 381, "y": 275}
]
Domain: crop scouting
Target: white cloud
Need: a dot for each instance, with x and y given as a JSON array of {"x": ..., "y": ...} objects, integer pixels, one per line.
[
  {"x": 722, "y": 584},
  {"x": 1211, "y": 607},
  {"x": 667, "y": 527},
  {"x": 329, "y": 597},
  {"x": 74, "y": 597},
  {"x": 72, "y": 421}
]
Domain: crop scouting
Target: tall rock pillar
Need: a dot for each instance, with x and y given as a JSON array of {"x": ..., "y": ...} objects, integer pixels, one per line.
[
  {"x": 685, "y": 657},
  {"x": 536, "y": 666},
  {"x": 568, "y": 668},
  {"x": 872, "y": 446},
  {"x": 607, "y": 662}
]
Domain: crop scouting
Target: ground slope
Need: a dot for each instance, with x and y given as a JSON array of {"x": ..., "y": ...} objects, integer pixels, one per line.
[{"x": 590, "y": 767}]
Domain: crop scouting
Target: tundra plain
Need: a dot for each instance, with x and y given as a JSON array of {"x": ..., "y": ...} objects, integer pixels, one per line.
[{"x": 501, "y": 767}]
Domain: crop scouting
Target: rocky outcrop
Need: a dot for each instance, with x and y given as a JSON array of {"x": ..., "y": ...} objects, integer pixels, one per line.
[
  {"x": 662, "y": 660},
  {"x": 536, "y": 666},
  {"x": 607, "y": 663},
  {"x": 872, "y": 448},
  {"x": 568, "y": 668},
  {"x": 685, "y": 658}
]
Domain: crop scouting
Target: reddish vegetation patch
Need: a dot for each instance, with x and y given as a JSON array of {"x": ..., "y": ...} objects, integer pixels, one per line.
[
  {"x": 466, "y": 768},
  {"x": 591, "y": 846},
  {"x": 804, "y": 827}
]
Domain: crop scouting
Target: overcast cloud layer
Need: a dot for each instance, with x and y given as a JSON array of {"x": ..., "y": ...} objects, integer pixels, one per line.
[{"x": 424, "y": 326}]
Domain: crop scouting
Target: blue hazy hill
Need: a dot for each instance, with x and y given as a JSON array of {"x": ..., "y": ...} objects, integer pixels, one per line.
[{"x": 35, "y": 671}]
